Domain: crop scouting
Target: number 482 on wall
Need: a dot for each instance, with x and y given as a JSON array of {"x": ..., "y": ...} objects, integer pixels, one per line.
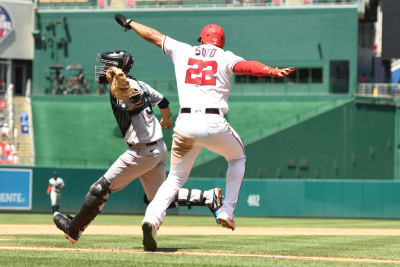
[{"x": 253, "y": 200}]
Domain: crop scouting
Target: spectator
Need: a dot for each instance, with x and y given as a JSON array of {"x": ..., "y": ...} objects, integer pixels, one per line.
[
  {"x": 10, "y": 153},
  {"x": 5, "y": 132},
  {"x": 363, "y": 78},
  {"x": 3, "y": 157}
]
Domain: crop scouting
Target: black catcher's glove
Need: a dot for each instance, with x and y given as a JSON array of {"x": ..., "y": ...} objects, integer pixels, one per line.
[{"x": 123, "y": 21}]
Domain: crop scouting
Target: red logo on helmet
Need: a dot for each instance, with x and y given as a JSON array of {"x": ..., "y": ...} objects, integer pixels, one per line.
[{"x": 213, "y": 34}]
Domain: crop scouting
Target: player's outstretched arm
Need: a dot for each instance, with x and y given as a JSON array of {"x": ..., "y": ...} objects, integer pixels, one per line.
[
  {"x": 149, "y": 34},
  {"x": 256, "y": 68}
]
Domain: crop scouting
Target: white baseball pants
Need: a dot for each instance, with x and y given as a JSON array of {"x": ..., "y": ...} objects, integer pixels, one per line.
[
  {"x": 55, "y": 198},
  {"x": 193, "y": 131}
]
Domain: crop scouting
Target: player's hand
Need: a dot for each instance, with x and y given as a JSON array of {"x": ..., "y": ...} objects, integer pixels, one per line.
[
  {"x": 166, "y": 123},
  {"x": 280, "y": 73},
  {"x": 123, "y": 21}
]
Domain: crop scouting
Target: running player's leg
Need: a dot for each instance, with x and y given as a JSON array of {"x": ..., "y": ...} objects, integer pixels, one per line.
[
  {"x": 183, "y": 155},
  {"x": 53, "y": 199},
  {"x": 58, "y": 200},
  {"x": 229, "y": 145}
]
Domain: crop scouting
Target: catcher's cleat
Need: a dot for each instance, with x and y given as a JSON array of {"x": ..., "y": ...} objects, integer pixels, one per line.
[
  {"x": 226, "y": 222},
  {"x": 216, "y": 201},
  {"x": 63, "y": 223},
  {"x": 149, "y": 236}
]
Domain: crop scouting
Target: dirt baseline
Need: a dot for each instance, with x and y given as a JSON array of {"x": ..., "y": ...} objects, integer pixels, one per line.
[{"x": 12, "y": 229}]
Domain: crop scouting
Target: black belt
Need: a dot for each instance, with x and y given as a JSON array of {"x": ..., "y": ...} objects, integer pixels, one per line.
[
  {"x": 148, "y": 144},
  {"x": 208, "y": 110}
]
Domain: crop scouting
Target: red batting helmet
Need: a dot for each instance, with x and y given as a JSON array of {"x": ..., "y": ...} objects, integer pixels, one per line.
[{"x": 213, "y": 34}]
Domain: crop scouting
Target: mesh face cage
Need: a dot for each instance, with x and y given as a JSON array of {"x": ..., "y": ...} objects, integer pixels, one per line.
[{"x": 102, "y": 70}]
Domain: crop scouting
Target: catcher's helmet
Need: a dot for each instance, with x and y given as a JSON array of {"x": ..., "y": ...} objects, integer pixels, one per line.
[
  {"x": 113, "y": 58},
  {"x": 212, "y": 34}
]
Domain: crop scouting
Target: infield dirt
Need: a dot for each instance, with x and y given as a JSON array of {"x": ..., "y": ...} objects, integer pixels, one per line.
[{"x": 10, "y": 229}]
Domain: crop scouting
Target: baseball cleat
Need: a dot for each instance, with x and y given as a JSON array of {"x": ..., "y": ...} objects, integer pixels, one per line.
[
  {"x": 63, "y": 223},
  {"x": 149, "y": 236},
  {"x": 225, "y": 221},
  {"x": 216, "y": 202}
]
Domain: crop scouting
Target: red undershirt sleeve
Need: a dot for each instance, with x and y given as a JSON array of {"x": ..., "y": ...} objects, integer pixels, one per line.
[{"x": 254, "y": 68}]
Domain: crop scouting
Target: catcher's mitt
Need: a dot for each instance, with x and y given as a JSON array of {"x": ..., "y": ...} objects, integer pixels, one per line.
[
  {"x": 120, "y": 88},
  {"x": 123, "y": 21}
]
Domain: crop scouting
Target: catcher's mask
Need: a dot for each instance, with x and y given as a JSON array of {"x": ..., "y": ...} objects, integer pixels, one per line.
[
  {"x": 112, "y": 58},
  {"x": 136, "y": 97},
  {"x": 212, "y": 34}
]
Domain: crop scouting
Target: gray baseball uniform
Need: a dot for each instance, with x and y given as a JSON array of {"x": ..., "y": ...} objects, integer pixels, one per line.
[
  {"x": 147, "y": 152},
  {"x": 55, "y": 184}
]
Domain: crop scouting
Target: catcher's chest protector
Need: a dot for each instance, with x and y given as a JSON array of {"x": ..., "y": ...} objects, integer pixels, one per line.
[{"x": 123, "y": 115}]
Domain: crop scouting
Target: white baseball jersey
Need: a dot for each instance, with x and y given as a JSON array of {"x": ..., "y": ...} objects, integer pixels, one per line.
[
  {"x": 144, "y": 128},
  {"x": 54, "y": 183},
  {"x": 202, "y": 73}
]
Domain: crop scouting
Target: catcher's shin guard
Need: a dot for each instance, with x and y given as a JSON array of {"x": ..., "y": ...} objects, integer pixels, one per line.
[
  {"x": 194, "y": 197},
  {"x": 92, "y": 205}
]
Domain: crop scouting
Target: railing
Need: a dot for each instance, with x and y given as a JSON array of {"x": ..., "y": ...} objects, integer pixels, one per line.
[
  {"x": 379, "y": 89},
  {"x": 10, "y": 109}
]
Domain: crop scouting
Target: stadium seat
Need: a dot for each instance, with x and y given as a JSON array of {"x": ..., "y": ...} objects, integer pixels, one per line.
[
  {"x": 101, "y": 3},
  {"x": 130, "y": 3}
]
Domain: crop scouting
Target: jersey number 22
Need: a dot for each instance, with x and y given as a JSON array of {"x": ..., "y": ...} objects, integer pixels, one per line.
[{"x": 207, "y": 70}]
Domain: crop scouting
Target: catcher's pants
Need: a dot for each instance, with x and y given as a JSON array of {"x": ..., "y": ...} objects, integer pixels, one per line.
[
  {"x": 192, "y": 132},
  {"x": 55, "y": 198},
  {"x": 147, "y": 162}
]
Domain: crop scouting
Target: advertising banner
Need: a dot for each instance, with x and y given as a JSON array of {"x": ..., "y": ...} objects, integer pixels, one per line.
[{"x": 15, "y": 189}]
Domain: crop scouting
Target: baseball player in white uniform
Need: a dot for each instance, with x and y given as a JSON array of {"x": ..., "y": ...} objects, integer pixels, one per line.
[
  {"x": 203, "y": 75},
  {"x": 56, "y": 184},
  {"x": 146, "y": 154}
]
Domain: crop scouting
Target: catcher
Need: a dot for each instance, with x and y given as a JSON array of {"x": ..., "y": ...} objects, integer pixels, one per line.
[{"x": 132, "y": 102}]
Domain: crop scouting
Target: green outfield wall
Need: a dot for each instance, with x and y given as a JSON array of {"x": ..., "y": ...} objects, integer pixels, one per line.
[
  {"x": 357, "y": 140},
  {"x": 296, "y": 137},
  {"x": 300, "y": 37},
  {"x": 260, "y": 198}
]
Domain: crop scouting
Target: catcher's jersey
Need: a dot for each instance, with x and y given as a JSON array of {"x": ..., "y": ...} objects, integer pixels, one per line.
[
  {"x": 202, "y": 73},
  {"x": 54, "y": 183},
  {"x": 143, "y": 127}
]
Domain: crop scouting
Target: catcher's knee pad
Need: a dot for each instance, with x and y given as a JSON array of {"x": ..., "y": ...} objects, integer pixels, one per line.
[
  {"x": 98, "y": 194},
  {"x": 92, "y": 205}
]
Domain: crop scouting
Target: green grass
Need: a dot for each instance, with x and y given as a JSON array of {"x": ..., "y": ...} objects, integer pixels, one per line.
[{"x": 367, "y": 247}]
